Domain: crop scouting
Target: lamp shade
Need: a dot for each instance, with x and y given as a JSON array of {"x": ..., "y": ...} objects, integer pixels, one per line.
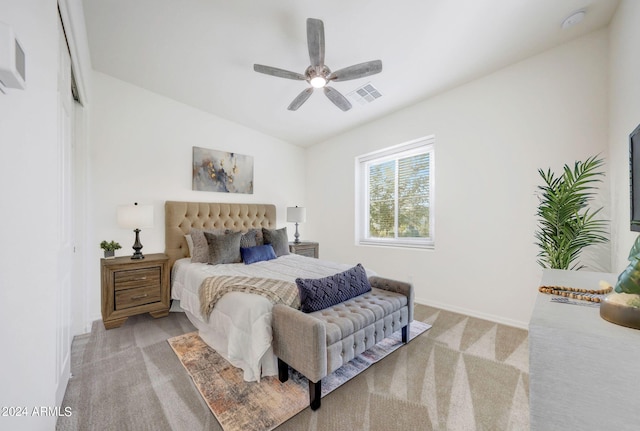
[
  {"x": 296, "y": 214},
  {"x": 135, "y": 216}
]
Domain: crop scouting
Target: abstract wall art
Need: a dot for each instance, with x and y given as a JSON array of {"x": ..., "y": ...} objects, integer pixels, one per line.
[{"x": 221, "y": 171}]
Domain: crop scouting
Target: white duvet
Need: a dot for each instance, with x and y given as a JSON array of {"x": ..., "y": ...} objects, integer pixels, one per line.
[{"x": 239, "y": 327}]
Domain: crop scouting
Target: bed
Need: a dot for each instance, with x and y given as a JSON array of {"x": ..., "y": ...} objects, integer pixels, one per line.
[{"x": 239, "y": 326}]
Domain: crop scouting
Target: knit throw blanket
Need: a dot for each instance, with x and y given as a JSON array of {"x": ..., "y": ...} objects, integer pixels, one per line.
[{"x": 276, "y": 291}]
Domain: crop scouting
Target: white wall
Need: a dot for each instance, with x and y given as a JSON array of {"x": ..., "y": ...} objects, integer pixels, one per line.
[
  {"x": 141, "y": 151},
  {"x": 492, "y": 135},
  {"x": 624, "y": 113},
  {"x": 546, "y": 111},
  {"x": 28, "y": 231}
]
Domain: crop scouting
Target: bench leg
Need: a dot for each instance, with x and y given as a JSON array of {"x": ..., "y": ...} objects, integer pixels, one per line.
[
  {"x": 283, "y": 371},
  {"x": 405, "y": 334},
  {"x": 315, "y": 391}
]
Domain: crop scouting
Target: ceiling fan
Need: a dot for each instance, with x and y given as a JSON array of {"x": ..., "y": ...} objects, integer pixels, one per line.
[{"x": 318, "y": 74}]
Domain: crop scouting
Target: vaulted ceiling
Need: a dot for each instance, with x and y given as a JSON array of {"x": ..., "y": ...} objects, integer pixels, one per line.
[{"x": 201, "y": 52}]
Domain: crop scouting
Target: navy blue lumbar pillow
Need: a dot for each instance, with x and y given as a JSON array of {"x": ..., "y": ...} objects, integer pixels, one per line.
[
  {"x": 320, "y": 293},
  {"x": 257, "y": 253}
]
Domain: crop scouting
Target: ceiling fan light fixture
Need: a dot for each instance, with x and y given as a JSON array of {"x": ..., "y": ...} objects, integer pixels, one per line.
[{"x": 318, "y": 81}]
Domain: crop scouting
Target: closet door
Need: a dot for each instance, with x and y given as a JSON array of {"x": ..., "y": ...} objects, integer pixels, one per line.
[{"x": 64, "y": 218}]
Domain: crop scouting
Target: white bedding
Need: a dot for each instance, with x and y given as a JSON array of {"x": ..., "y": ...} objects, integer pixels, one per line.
[{"x": 239, "y": 327}]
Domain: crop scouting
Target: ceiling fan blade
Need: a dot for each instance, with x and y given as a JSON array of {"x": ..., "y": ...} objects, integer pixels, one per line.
[
  {"x": 280, "y": 73},
  {"x": 300, "y": 99},
  {"x": 357, "y": 71},
  {"x": 337, "y": 98},
  {"x": 315, "y": 41}
]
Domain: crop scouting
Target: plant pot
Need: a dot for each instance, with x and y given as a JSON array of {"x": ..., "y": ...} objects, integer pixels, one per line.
[{"x": 109, "y": 254}]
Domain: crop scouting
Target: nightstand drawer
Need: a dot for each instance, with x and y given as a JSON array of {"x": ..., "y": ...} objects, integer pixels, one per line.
[
  {"x": 138, "y": 296},
  {"x": 305, "y": 248},
  {"x": 309, "y": 252},
  {"x": 144, "y": 277}
]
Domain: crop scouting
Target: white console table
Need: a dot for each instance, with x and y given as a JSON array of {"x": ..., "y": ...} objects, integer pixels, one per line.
[{"x": 584, "y": 371}]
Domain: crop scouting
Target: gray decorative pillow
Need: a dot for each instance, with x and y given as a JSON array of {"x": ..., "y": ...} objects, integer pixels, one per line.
[
  {"x": 278, "y": 239},
  {"x": 200, "y": 252},
  {"x": 249, "y": 238},
  {"x": 259, "y": 236},
  {"x": 224, "y": 248},
  {"x": 320, "y": 293}
]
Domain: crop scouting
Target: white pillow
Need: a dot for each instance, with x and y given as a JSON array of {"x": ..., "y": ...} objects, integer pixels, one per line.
[{"x": 189, "y": 244}]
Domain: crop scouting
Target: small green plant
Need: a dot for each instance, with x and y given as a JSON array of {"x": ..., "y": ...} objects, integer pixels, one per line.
[
  {"x": 110, "y": 246},
  {"x": 566, "y": 224}
]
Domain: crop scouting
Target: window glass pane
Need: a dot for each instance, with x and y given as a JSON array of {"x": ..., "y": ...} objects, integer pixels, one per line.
[
  {"x": 413, "y": 196},
  {"x": 382, "y": 199},
  {"x": 395, "y": 205}
]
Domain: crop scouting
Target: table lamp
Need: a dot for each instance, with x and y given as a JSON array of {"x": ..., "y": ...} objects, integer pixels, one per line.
[
  {"x": 296, "y": 215},
  {"x": 135, "y": 217}
]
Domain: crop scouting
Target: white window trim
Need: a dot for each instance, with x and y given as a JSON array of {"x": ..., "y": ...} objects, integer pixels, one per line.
[{"x": 413, "y": 147}]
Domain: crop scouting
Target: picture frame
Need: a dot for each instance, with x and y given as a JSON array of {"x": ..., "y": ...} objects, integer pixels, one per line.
[{"x": 222, "y": 171}]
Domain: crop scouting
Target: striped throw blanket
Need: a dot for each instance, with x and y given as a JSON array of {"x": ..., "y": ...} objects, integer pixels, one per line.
[{"x": 276, "y": 291}]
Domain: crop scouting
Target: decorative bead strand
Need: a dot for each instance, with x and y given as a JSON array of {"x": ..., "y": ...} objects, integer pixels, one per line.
[
  {"x": 578, "y": 290},
  {"x": 575, "y": 293}
]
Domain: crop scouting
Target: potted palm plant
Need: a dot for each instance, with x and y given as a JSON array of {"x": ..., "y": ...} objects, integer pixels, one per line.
[
  {"x": 109, "y": 248},
  {"x": 566, "y": 224}
]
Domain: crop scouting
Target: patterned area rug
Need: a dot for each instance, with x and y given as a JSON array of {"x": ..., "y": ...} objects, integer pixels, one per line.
[{"x": 252, "y": 406}]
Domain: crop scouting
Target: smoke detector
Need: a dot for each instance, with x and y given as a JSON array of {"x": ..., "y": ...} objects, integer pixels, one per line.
[{"x": 573, "y": 19}]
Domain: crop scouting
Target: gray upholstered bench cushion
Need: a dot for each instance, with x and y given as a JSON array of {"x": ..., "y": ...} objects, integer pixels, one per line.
[
  {"x": 357, "y": 313},
  {"x": 359, "y": 323}
]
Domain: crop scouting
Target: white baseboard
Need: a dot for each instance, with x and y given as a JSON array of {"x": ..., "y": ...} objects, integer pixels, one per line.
[
  {"x": 89, "y": 324},
  {"x": 473, "y": 313}
]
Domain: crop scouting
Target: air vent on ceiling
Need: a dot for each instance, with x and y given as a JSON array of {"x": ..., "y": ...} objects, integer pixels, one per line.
[{"x": 365, "y": 94}]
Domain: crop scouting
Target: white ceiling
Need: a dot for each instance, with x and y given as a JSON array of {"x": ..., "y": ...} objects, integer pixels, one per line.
[{"x": 201, "y": 52}]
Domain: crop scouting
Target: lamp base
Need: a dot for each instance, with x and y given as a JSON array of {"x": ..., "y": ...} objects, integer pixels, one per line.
[
  {"x": 297, "y": 236},
  {"x": 137, "y": 246},
  {"x": 137, "y": 255}
]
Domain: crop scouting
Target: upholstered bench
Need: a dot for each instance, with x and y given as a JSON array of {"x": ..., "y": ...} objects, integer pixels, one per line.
[{"x": 318, "y": 343}]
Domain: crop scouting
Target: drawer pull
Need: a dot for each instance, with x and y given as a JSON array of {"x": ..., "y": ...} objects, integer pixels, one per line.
[
  {"x": 143, "y": 278},
  {"x": 139, "y": 296}
]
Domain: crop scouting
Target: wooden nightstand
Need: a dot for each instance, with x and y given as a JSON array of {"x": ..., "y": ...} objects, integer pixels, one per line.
[
  {"x": 304, "y": 248},
  {"x": 131, "y": 287}
]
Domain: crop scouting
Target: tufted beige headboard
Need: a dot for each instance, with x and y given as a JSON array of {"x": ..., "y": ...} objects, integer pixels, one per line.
[{"x": 180, "y": 217}]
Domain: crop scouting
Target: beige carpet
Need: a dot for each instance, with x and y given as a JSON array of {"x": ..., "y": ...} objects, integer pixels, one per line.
[
  {"x": 262, "y": 406},
  {"x": 462, "y": 374}
]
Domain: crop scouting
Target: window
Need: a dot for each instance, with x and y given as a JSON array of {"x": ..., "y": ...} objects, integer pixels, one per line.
[{"x": 395, "y": 195}]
